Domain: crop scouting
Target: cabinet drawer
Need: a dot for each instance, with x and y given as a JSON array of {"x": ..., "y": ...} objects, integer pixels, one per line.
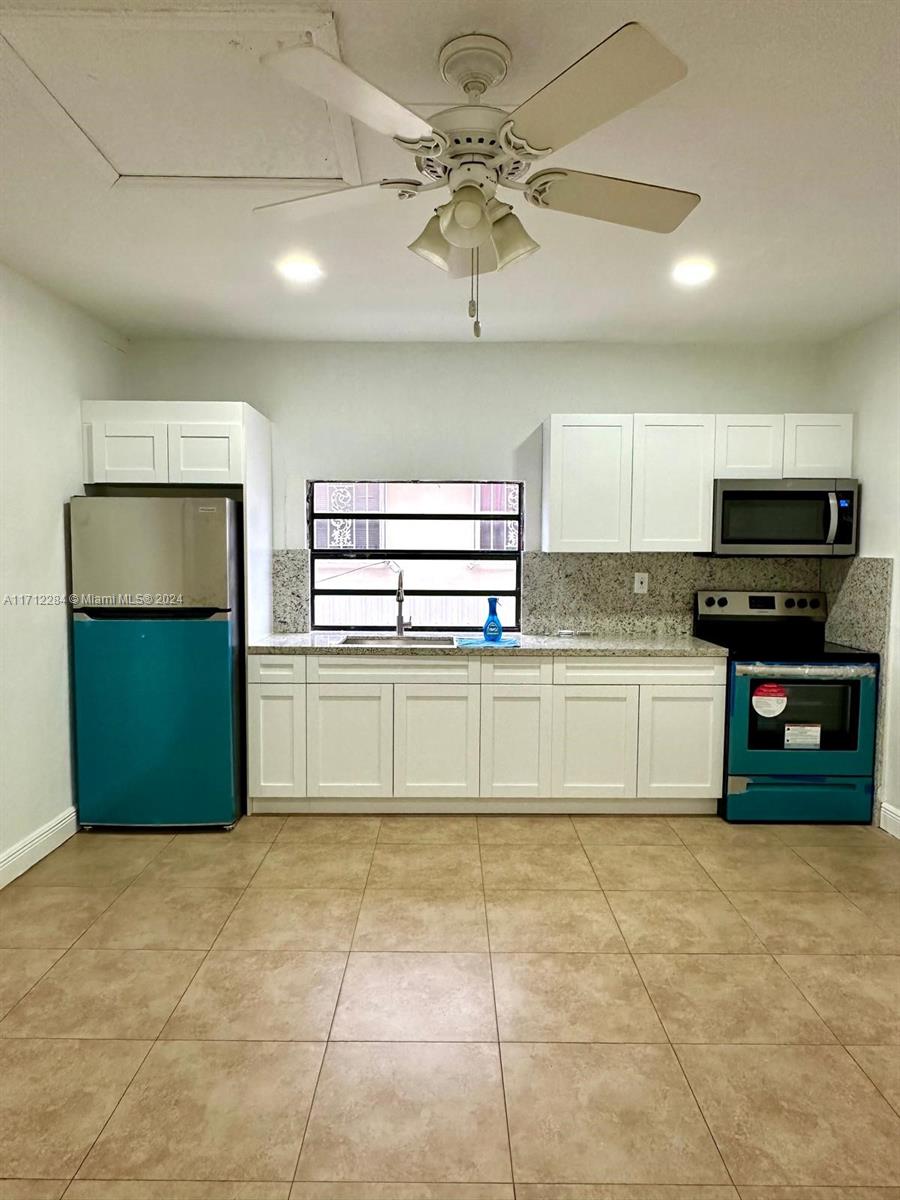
[
  {"x": 276, "y": 668},
  {"x": 392, "y": 668},
  {"x": 516, "y": 670},
  {"x": 638, "y": 670}
]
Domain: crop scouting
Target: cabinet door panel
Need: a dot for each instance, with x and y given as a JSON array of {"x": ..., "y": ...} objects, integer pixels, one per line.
[
  {"x": 587, "y": 482},
  {"x": 594, "y": 741},
  {"x": 277, "y": 739},
  {"x": 127, "y": 452},
  {"x": 749, "y": 446},
  {"x": 818, "y": 445},
  {"x": 436, "y": 729},
  {"x": 349, "y": 739},
  {"x": 673, "y": 482},
  {"x": 516, "y": 723},
  {"x": 202, "y": 452},
  {"x": 681, "y": 740}
]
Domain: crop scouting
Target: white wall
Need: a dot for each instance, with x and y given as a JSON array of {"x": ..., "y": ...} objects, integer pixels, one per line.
[
  {"x": 862, "y": 375},
  {"x": 52, "y": 355},
  {"x": 446, "y": 410}
]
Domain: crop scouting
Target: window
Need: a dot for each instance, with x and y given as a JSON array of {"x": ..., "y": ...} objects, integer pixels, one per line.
[{"x": 456, "y": 542}]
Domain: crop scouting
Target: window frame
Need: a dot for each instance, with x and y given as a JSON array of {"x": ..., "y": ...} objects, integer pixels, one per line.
[{"x": 513, "y": 555}]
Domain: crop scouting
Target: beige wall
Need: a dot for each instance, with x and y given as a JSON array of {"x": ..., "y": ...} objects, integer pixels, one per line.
[
  {"x": 52, "y": 356},
  {"x": 420, "y": 411},
  {"x": 861, "y": 374}
]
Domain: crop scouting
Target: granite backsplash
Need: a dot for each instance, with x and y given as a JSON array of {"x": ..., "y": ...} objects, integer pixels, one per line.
[{"x": 593, "y": 593}]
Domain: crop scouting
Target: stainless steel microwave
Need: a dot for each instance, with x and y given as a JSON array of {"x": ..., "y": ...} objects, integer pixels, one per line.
[{"x": 786, "y": 516}]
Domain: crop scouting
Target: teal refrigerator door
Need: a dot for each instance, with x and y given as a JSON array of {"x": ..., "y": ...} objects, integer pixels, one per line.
[{"x": 155, "y": 726}]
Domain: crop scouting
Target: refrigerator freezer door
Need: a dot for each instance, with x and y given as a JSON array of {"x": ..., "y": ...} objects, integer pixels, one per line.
[
  {"x": 155, "y": 723},
  {"x": 153, "y": 552}
]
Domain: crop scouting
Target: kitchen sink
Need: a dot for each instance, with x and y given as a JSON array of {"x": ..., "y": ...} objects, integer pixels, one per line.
[{"x": 409, "y": 639}]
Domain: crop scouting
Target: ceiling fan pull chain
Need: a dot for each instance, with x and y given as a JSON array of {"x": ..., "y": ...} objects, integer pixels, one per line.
[
  {"x": 472, "y": 282},
  {"x": 476, "y": 328}
]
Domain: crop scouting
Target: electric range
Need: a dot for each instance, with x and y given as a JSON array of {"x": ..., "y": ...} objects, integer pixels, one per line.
[{"x": 801, "y": 712}]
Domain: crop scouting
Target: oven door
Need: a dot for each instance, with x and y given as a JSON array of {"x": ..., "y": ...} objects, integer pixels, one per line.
[
  {"x": 811, "y": 516},
  {"x": 787, "y": 719}
]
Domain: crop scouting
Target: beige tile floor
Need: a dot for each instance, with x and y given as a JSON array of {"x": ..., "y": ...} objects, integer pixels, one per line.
[{"x": 452, "y": 1008}]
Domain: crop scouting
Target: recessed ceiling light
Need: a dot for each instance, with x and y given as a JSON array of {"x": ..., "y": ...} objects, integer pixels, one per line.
[
  {"x": 297, "y": 268},
  {"x": 692, "y": 272}
]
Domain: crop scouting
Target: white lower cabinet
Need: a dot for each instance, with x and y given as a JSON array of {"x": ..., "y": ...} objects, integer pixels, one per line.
[
  {"x": 594, "y": 741},
  {"x": 349, "y": 734},
  {"x": 516, "y": 740},
  {"x": 436, "y": 739},
  {"x": 614, "y": 738},
  {"x": 276, "y": 721},
  {"x": 680, "y": 741}
]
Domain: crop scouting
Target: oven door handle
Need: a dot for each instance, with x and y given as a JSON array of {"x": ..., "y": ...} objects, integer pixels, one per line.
[
  {"x": 832, "y": 519},
  {"x": 819, "y": 671}
]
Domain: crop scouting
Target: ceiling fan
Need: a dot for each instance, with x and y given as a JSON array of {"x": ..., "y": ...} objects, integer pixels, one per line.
[{"x": 473, "y": 149}]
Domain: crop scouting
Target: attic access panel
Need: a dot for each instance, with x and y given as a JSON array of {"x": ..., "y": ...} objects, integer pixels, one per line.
[{"x": 161, "y": 95}]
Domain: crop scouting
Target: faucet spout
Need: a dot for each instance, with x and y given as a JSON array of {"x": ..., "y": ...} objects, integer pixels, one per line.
[{"x": 402, "y": 626}]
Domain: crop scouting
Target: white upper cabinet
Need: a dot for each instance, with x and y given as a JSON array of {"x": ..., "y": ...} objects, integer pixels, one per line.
[
  {"x": 749, "y": 445},
  {"x": 587, "y": 482},
  {"x": 202, "y": 452},
  {"x": 126, "y": 452},
  {"x": 672, "y": 495},
  {"x": 158, "y": 441},
  {"x": 818, "y": 445}
]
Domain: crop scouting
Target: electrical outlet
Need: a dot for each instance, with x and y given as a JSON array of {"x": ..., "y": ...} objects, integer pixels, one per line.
[{"x": 641, "y": 583}]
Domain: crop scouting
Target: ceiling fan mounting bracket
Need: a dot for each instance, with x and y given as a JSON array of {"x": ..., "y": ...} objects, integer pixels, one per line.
[
  {"x": 424, "y": 147},
  {"x": 518, "y": 147},
  {"x": 475, "y": 63},
  {"x": 538, "y": 191}
]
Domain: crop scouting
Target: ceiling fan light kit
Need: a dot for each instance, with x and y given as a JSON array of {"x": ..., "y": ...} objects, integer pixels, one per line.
[
  {"x": 473, "y": 148},
  {"x": 432, "y": 245}
]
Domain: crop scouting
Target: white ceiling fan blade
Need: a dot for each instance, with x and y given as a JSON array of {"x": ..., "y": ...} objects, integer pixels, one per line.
[
  {"x": 317, "y": 204},
  {"x": 625, "y": 69},
  {"x": 622, "y": 201},
  {"x": 317, "y": 72}
]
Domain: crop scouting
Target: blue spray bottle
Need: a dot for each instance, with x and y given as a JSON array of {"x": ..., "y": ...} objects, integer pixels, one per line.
[{"x": 493, "y": 630}]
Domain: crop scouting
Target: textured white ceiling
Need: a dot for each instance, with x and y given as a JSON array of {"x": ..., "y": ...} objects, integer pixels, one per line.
[{"x": 787, "y": 124}]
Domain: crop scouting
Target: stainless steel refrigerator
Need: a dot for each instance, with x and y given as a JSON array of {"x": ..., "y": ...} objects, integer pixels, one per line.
[{"x": 156, "y": 651}]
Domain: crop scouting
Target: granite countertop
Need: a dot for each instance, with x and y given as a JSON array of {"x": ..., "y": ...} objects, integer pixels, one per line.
[{"x": 671, "y": 646}]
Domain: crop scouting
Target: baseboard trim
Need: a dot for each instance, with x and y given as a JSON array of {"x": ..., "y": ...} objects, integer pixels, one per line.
[
  {"x": 484, "y": 805},
  {"x": 890, "y": 819},
  {"x": 37, "y": 845}
]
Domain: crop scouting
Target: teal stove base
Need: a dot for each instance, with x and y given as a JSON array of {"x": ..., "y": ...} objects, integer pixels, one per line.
[{"x": 790, "y": 798}]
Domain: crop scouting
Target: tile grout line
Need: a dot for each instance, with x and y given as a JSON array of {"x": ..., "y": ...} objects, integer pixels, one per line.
[
  {"x": 156, "y": 1039},
  {"x": 487, "y": 927},
  {"x": 665, "y": 1032},
  {"x": 337, "y": 1000}
]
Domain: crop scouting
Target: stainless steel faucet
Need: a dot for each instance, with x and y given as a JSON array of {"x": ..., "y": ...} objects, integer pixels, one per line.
[{"x": 401, "y": 596}]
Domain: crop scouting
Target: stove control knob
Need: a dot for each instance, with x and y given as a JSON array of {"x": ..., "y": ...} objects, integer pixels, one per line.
[
  {"x": 709, "y": 601},
  {"x": 722, "y": 601},
  {"x": 802, "y": 603},
  {"x": 790, "y": 602},
  {"x": 814, "y": 603}
]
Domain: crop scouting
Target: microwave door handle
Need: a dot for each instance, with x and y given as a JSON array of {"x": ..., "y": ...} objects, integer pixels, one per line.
[{"x": 832, "y": 519}]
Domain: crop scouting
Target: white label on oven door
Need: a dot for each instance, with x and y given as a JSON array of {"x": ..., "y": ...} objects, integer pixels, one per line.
[
  {"x": 802, "y": 737},
  {"x": 769, "y": 699}
]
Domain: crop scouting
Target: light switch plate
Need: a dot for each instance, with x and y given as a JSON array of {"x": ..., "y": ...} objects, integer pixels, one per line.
[{"x": 641, "y": 583}]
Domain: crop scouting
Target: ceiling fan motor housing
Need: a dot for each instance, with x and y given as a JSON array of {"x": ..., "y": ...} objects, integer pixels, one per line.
[{"x": 475, "y": 63}]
